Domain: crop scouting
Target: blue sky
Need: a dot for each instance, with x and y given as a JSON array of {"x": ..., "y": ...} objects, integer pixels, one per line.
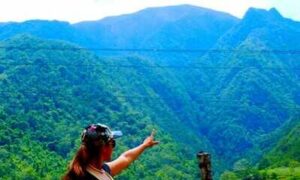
[{"x": 80, "y": 10}]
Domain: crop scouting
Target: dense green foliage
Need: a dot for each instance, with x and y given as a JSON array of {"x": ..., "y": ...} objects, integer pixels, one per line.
[
  {"x": 285, "y": 153},
  {"x": 236, "y": 103},
  {"x": 281, "y": 162},
  {"x": 48, "y": 96}
]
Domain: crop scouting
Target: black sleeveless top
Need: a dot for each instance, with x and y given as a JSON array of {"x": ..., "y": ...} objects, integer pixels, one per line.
[{"x": 87, "y": 175}]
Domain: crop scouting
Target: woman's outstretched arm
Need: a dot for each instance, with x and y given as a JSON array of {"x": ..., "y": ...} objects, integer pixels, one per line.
[{"x": 125, "y": 159}]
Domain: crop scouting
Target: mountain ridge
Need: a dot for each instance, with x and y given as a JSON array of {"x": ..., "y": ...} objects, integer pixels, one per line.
[{"x": 225, "y": 102}]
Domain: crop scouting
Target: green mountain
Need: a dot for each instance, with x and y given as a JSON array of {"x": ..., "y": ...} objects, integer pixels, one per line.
[
  {"x": 235, "y": 99},
  {"x": 48, "y": 96},
  {"x": 253, "y": 87}
]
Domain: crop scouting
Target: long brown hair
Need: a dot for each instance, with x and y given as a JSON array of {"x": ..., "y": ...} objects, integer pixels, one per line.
[
  {"x": 85, "y": 154},
  {"x": 93, "y": 138}
]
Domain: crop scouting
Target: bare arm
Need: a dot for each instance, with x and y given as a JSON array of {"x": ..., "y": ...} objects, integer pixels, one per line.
[{"x": 129, "y": 156}]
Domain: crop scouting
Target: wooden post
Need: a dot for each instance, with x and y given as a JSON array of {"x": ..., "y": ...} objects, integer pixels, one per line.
[{"x": 204, "y": 165}]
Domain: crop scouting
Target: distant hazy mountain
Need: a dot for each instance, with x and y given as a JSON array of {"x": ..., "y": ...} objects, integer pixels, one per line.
[
  {"x": 166, "y": 27},
  {"x": 268, "y": 26},
  {"x": 43, "y": 29}
]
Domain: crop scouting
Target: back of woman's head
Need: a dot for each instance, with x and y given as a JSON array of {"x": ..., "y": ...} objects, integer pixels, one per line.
[{"x": 93, "y": 138}]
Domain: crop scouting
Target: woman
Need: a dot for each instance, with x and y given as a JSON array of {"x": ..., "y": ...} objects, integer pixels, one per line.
[{"x": 92, "y": 159}]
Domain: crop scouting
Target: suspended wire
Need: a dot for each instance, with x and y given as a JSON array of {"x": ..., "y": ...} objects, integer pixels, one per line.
[
  {"x": 154, "y": 66},
  {"x": 156, "y": 50},
  {"x": 151, "y": 67},
  {"x": 107, "y": 65},
  {"x": 224, "y": 103},
  {"x": 92, "y": 95},
  {"x": 143, "y": 97},
  {"x": 297, "y": 108},
  {"x": 163, "y": 98}
]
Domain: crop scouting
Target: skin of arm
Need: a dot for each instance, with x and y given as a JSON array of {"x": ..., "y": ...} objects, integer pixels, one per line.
[{"x": 125, "y": 159}]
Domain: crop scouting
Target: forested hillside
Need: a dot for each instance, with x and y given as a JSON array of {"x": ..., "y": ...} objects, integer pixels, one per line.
[
  {"x": 256, "y": 84},
  {"x": 283, "y": 161},
  {"x": 280, "y": 162},
  {"x": 285, "y": 152},
  {"x": 204, "y": 79},
  {"x": 48, "y": 96}
]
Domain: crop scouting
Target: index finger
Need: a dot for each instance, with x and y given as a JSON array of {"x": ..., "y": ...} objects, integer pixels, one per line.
[{"x": 153, "y": 132}]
